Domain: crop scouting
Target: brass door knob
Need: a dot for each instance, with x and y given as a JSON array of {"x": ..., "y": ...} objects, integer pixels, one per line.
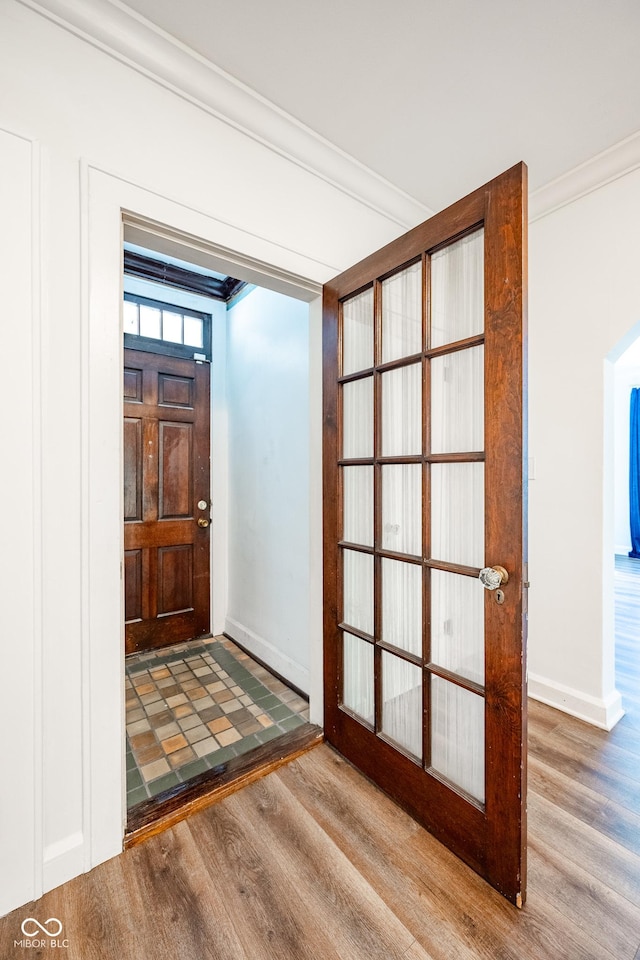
[
  {"x": 493, "y": 577},
  {"x": 203, "y": 522}
]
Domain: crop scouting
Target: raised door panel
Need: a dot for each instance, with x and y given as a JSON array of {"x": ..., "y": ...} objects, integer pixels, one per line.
[
  {"x": 175, "y": 495},
  {"x": 132, "y": 469},
  {"x": 175, "y": 579}
]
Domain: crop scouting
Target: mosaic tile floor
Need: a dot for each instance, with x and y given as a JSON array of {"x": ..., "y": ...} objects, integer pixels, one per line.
[{"x": 196, "y": 705}]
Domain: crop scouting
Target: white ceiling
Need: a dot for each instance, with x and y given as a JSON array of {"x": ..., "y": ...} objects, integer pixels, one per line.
[{"x": 435, "y": 95}]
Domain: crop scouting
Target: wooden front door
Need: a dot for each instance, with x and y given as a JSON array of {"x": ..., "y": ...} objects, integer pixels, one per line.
[
  {"x": 166, "y": 500},
  {"x": 423, "y": 488}
]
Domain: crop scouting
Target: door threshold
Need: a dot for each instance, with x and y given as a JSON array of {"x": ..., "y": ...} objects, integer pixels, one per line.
[{"x": 159, "y": 813}]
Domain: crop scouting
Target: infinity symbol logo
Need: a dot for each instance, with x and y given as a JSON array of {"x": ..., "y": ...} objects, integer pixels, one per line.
[{"x": 32, "y": 932}]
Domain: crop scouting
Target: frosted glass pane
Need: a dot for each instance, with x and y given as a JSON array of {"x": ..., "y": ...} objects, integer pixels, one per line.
[
  {"x": 457, "y": 624},
  {"x": 402, "y": 411},
  {"x": 357, "y": 682},
  {"x": 457, "y": 290},
  {"x": 457, "y": 513},
  {"x": 357, "y": 499},
  {"x": 402, "y": 702},
  {"x": 357, "y": 333},
  {"x": 402, "y": 605},
  {"x": 402, "y": 314},
  {"x": 457, "y": 736},
  {"x": 457, "y": 401},
  {"x": 130, "y": 317},
  {"x": 193, "y": 331},
  {"x": 358, "y": 590},
  {"x": 171, "y": 326},
  {"x": 402, "y": 508},
  {"x": 357, "y": 418},
  {"x": 149, "y": 322}
]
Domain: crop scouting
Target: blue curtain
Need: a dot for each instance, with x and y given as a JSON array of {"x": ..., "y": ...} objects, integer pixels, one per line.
[{"x": 634, "y": 473}]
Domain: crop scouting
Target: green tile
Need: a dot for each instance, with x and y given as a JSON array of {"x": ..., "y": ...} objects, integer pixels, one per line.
[
  {"x": 131, "y": 763},
  {"x": 247, "y": 743},
  {"x": 163, "y": 783},
  {"x": 254, "y": 684},
  {"x": 134, "y": 779},
  {"x": 192, "y": 769},
  {"x": 222, "y": 756},
  {"x": 136, "y": 796},
  {"x": 269, "y": 734},
  {"x": 290, "y": 723},
  {"x": 279, "y": 712},
  {"x": 268, "y": 701}
]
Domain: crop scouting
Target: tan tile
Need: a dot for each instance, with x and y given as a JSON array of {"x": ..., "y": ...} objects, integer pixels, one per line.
[
  {"x": 145, "y": 688},
  {"x": 265, "y": 720},
  {"x": 245, "y": 700},
  {"x": 159, "y": 673},
  {"x": 249, "y": 727},
  {"x": 231, "y": 705},
  {"x": 134, "y": 715},
  {"x": 222, "y": 723},
  {"x": 200, "y": 671},
  {"x": 203, "y": 703},
  {"x": 189, "y": 722},
  {"x": 223, "y": 696},
  {"x": 237, "y": 691},
  {"x": 140, "y": 679},
  {"x": 174, "y": 743},
  {"x": 203, "y": 747},
  {"x": 148, "y": 754},
  {"x": 156, "y": 707},
  {"x": 176, "y": 700},
  {"x": 180, "y": 757},
  {"x": 168, "y": 730},
  {"x": 197, "y": 693},
  {"x": 144, "y": 739},
  {"x": 153, "y": 770},
  {"x": 151, "y": 697},
  {"x": 190, "y": 684},
  {"x": 225, "y": 737},
  {"x": 182, "y": 710},
  {"x": 161, "y": 719},
  {"x": 196, "y": 734},
  {"x": 254, "y": 709},
  {"x": 140, "y": 726},
  {"x": 215, "y": 687}
]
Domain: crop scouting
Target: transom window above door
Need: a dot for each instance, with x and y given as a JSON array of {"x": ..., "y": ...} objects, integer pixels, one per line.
[{"x": 160, "y": 327}]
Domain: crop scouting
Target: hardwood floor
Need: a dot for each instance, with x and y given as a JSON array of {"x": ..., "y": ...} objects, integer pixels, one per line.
[{"x": 314, "y": 862}]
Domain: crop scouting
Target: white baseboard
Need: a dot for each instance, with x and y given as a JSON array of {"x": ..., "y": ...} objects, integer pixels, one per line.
[
  {"x": 63, "y": 861},
  {"x": 265, "y": 651},
  {"x": 599, "y": 712}
]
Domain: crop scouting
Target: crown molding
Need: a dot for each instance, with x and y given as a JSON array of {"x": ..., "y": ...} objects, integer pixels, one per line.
[
  {"x": 614, "y": 162},
  {"x": 123, "y": 34}
]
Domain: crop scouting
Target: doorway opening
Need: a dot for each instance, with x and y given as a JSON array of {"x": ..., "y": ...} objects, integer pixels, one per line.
[
  {"x": 216, "y": 541},
  {"x": 626, "y": 380}
]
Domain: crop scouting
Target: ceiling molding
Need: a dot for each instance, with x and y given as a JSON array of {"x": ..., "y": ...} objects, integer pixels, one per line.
[
  {"x": 128, "y": 37},
  {"x": 611, "y": 164}
]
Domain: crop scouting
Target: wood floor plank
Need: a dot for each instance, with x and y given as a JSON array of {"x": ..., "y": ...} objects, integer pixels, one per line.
[
  {"x": 618, "y": 867},
  {"x": 604, "y": 915}
]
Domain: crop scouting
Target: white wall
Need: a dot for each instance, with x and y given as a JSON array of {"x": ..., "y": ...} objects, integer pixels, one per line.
[
  {"x": 268, "y": 410},
  {"x": 584, "y": 297},
  {"x": 100, "y": 128}
]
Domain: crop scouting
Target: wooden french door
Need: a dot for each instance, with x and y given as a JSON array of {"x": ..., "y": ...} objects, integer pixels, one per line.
[
  {"x": 166, "y": 500},
  {"x": 423, "y": 490}
]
